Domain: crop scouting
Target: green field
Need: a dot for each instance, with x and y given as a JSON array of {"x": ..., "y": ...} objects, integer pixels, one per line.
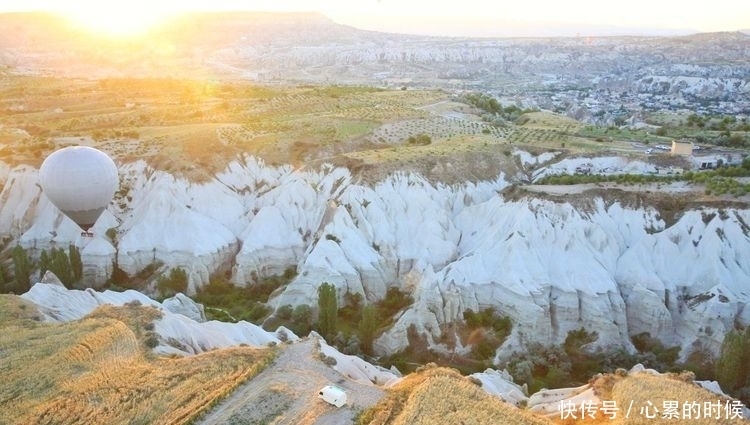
[{"x": 194, "y": 128}]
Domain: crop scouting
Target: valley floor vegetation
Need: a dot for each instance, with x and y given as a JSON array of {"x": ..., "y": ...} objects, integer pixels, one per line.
[
  {"x": 718, "y": 182},
  {"x": 353, "y": 326}
]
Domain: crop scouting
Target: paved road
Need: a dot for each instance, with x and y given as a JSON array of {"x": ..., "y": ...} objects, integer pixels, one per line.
[{"x": 286, "y": 392}]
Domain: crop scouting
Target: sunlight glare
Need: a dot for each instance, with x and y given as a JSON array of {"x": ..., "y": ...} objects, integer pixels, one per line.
[{"x": 122, "y": 20}]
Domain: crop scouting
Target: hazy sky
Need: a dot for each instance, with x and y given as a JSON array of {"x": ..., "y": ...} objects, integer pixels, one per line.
[{"x": 471, "y": 17}]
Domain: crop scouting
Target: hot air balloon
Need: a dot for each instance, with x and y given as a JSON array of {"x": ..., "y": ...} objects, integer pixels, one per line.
[{"x": 80, "y": 181}]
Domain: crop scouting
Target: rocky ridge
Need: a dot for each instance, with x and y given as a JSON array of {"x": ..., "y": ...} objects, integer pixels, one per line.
[
  {"x": 182, "y": 330},
  {"x": 619, "y": 268},
  {"x": 593, "y": 78}
]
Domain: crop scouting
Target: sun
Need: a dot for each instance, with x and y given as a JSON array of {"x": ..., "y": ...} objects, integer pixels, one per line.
[{"x": 122, "y": 20}]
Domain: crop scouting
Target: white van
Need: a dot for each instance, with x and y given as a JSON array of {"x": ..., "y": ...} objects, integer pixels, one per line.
[{"x": 333, "y": 395}]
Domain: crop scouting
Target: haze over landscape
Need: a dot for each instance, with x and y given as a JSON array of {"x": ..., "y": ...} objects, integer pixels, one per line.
[
  {"x": 233, "y": 212},
  {"x": 466, "y": 18}
]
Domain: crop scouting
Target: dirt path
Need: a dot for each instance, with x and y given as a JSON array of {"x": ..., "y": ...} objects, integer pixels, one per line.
[{"x": 287, "y": 393}]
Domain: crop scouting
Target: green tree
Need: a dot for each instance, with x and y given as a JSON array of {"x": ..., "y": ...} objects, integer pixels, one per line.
[
  {"x": 575, "y": 341},
  {"x": 301, "y": 320},
  {"x": 76, "y": 264},
  {"x": 285, "y": 312},
  {"x": 367, "y": 328},
  {"x": 22, "y": 266},
  {"x": 733, "y": 365},
  {"x": 351, "y": 311},
  {"x": 3, "y": 278},
  {"x": 177, "y": 281},
  {"x": 327, "y": 310},
  {"x": 59, "y": 264},
  {"x": 43, "y": 263}
]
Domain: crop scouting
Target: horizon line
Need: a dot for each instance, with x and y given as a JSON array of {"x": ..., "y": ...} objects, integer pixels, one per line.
[{"x": 510, "y": 28}]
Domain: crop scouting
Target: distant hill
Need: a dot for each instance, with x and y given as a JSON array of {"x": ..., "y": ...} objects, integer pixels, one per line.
[
  {"x": 181, "y": 47},
  {"x": 309, "y": 47}
]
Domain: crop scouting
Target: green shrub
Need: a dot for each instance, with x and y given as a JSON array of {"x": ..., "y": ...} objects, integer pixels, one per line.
[
  {"x": 395, "y": 300},
  {"x": 419, "y": 140},
  {"x": 221, "y": 297},
  {"x": 327, "y": 310},
  {"x": 285, "y": 312},
  {"x": 111, "y": 233},
  {"x": 3, "y": 278},
  {"x": 367, "y": 328},
  {"x": 334, "y": 238},
  {"x": 733, "y": 365},
  {"x": 301, "y": 320},
  {"x": 176, "y": 282},
  {"x": 351, "y": 311},
  {"x": 484, "y": 349},
  {"x": 152, "y": 340}
]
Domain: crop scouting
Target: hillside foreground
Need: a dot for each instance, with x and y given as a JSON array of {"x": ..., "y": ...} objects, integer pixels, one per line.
[
  {"x": 426, "y": 151},
  {"x": 439, "y": 395},
  {"x": 101, "y": 369}
]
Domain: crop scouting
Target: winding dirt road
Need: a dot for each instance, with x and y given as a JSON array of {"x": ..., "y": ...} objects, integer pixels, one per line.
[{"x": 286, "y": 392}]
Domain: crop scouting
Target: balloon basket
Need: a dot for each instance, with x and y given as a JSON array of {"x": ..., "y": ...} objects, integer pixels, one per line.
[{"x": 87, "y": 234}]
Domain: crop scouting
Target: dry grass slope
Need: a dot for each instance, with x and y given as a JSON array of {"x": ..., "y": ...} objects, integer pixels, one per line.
[
  {"x": 636, "y": 391},
  {"x": 436, "y": 395},
  {"x": 443, "y": 396},
  {"x": 642, "y": 388},
  {"x": 98, "y": 370}
]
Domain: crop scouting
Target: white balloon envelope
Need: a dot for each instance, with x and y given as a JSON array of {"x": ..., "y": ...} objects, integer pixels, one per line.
[{"x": 80, "y": 181}]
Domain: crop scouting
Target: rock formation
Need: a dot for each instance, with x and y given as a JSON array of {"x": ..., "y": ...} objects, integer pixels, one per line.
[
  {"x": 177, "y": 330},
  {"x": 617, "y": 267}
]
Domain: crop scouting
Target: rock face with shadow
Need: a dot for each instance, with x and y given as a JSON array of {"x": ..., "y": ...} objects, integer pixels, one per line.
[{"x": 616, "y": 263}]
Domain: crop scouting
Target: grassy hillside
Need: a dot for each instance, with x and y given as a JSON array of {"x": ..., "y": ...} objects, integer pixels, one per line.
[
  {"x": 639, "y": 399},
  {"x": 437, "y": 395},
  {"x": 641, "y": 389},
  {"x": 98, "y": 370}
]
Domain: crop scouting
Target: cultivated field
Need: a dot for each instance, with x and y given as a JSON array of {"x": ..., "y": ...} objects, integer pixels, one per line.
[{"x": 194, "y": 128}]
